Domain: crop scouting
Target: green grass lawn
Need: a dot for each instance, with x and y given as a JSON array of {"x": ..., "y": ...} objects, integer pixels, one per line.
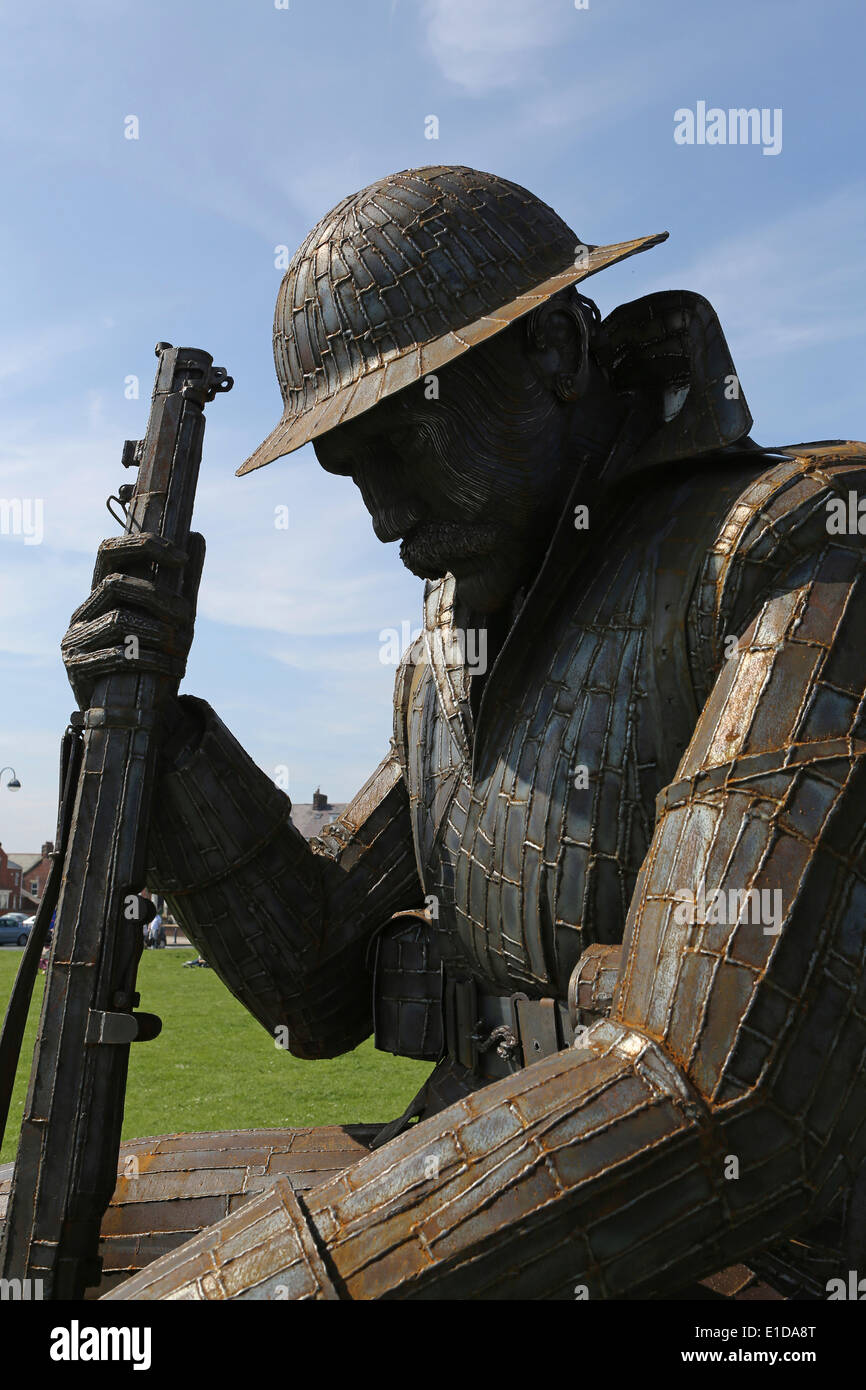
[{"x": 214, "y": 1067}]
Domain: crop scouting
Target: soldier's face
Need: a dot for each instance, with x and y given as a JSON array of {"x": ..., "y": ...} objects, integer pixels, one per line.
[{"x": 467, "y": 469}]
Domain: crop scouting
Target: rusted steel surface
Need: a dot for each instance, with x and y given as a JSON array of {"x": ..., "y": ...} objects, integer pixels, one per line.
[
  {"x": 135, "y": 1231},
  {"x": 593, "y": 981},
  {"x": 169, "y": 1188},
  {"x": 275, "y": 1251},
  {"x": 740, "y": 1284}
]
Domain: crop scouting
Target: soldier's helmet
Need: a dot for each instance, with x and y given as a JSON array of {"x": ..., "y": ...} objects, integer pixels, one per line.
[{"x": 403, "y": 277}]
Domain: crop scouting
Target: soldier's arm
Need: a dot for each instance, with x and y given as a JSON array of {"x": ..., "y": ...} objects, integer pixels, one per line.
[{"x": 286, "y": 923}]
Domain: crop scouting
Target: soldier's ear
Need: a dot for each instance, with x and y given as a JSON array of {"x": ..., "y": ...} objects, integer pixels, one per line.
[{"x": 558, "y": 336}]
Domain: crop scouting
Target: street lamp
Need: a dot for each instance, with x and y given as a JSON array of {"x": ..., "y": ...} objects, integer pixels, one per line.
[{"x": 13, "y": 784}]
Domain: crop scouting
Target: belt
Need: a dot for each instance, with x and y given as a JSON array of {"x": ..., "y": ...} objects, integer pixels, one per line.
[{"x": 495, "y": 1035}]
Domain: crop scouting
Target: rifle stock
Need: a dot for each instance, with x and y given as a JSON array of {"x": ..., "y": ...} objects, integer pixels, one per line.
[{"x": 66, "y": 1165}]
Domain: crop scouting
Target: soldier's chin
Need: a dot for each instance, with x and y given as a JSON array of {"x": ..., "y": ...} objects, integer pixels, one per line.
[
  {"x": 484, "y": 583},
  {"x": 480, "y": 555}
]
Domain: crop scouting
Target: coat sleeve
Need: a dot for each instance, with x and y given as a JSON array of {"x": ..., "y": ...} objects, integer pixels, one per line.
[{"x": 285, "y": 922}]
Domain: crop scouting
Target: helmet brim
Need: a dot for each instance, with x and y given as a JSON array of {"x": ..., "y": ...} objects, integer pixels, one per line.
[{"x": 413, "y": 363}]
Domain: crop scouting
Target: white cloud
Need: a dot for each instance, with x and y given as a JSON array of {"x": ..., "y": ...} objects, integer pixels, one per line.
[{"x": 484, "y": 44}]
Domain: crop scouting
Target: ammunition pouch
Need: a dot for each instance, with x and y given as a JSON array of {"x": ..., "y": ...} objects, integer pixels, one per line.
[
  {"x": 407, "y": 987},
  {"x": 420, "y": 1011}
]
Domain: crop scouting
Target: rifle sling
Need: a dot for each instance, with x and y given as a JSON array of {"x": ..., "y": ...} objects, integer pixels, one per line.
[{"x": 18, "y": 1008}]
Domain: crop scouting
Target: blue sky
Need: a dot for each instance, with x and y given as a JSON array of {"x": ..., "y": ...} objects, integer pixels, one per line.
[{"x": 253, "y": 122}]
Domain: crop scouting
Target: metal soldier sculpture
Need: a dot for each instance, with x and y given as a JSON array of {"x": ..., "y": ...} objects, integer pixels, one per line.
[{"x": 620, "y": 823}]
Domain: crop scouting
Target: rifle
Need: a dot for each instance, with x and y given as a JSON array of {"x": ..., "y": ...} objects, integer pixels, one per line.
[{"x": 66, "y": 1165}]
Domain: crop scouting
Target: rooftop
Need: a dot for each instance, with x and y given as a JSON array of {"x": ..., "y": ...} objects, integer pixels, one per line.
[
  {"x": 310, "y": 817},
  {"x": 24, "y": 861}
]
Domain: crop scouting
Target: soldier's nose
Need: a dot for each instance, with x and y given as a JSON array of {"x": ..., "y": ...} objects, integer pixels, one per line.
[{"x": 333, "y": 457}]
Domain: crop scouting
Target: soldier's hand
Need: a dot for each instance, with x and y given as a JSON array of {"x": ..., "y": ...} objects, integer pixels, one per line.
[{"x": 127, "y": 623}]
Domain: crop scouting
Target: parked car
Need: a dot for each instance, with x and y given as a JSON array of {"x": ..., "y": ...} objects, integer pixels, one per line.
[{"x": 14, "y": 927}]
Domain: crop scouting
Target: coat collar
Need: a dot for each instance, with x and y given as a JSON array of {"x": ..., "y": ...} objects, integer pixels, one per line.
[
  {"x": 669, "y": 348},
  {"x": 446, "y": 658}
]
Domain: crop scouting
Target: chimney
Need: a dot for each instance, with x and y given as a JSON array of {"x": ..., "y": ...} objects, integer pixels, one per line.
[
  {"x": 47, "y": 848},
  {"x": 320, "y": 801}
]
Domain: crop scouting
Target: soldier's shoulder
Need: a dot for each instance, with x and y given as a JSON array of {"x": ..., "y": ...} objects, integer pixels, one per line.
[
  {"x": 791, "y": 503},
  {"x": 795, "y": 475},
  {"x": 773, "y": 525}
]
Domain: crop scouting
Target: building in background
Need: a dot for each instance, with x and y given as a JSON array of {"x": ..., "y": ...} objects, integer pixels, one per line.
[
  {"x": 35, "y": 869},
  {"x": 10, "y": 884}
]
